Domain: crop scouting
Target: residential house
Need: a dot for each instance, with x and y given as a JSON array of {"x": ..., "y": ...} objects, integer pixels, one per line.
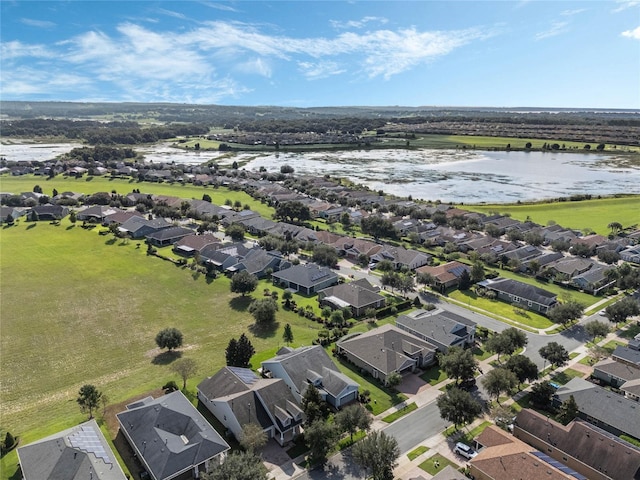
[
  {"x": 566, "y": 268},
  {"x": 594, "y": 280},
  {"x": 440, "y": 328},
  {"x": 140, "y": 227},
  {"x": 307, "y": 279},
  {"x": 446, "y": 275},
  {"x": 258, "y": 225},
  {"x": 588, "y": 450},
  {"x": 232, "y": 216},
  {"x": 97, "y": 213},
  {"x": 237, "y": 396},
  {"x": 120, "y": 217},
  {"x": 401, "y": 257},
  {"x": 521, "y": 294},
  {"x": 631, "y": 390},
  {"x": 207, "y": 210},
  {"x": 386, "y": 350},
  {"x": 170, "y": 437},
  {"x": 502, "y": 456},
  {"x": 352, "y": 248},
  {"x": 78, "y": 453},
  {"x": 626, "y": 355},
  {"x": 49, "y": 212},
  {"x": 13, "y": 212},
  {"x": 304, "y": 366},
  {"x": 168, "y": 236},
  {"x": 358, "y": 296},
  {"x": 223, "y": 256},
  {"x": 191, "y": 244},
  {"x": 615, "y": 373},
  {"x": 603, "y": 408},
  {"x": 258, "y": 262},
  {"x": 631, "y": 254},
  {"x": 592, "y": 241},
  {"x": 523, "y": 254}
]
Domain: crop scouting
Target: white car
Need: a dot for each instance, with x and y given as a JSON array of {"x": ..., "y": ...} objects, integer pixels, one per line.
[{"x": 465, "y": 450}]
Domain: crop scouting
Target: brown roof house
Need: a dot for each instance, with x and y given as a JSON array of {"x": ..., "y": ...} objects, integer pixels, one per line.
[
  {"x": 359, "y": 296},
  {"x": 585, "y": 448},
  {"x": 78, "y": 453},
  {"x": 386, "y": 350},
  {"x": 237, "y": 396},
  {"x": 503, "y": 457},
  {"x": 446, "y": 275}
]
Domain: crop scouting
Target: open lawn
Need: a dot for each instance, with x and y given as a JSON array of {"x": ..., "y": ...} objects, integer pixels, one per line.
[
  {"x": 566, "y": 375},
  {"x": 594, "y": 214},
  {"x": 503, "y": 309},
  {"x": 89, "y": 185},
  {"x": 434, "y": 464},
  {"x": 82, "y": 308}
]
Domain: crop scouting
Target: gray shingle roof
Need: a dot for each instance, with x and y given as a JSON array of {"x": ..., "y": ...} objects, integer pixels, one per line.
[
  {"x": 627, "y": 354},
  {"x": 73, "y": 454},
  {"x": 605, "y": 406},
  {"x": 170, "y": 435},
  {"x": 522, "y": 290},
  {"x": 353, "y": 294},
  {"x": 301, "y": 362},
  {"x": 439, "y": 325},
  {"x": 169, "y": 233},
  {"x": 386, "y": 348},
  {"x": 306, "y": 275},
  {"x": 618, "y": 369}
]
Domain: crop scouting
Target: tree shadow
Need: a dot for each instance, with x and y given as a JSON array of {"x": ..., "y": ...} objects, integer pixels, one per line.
[
  {"x": 264, "y": 331},
  {"x": 240, "y": 304},
  {"x": 196, "y": 275},
  {"x": 33, "y": 225},
  {"x": 111, "y": 241},
  {"x": 165, "y": 358},
  {"x": 71, "y": 227},
  {"x": 88, "y": 179}
]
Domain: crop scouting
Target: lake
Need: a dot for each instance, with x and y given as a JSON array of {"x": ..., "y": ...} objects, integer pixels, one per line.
[{"x": 460, "y": 176}]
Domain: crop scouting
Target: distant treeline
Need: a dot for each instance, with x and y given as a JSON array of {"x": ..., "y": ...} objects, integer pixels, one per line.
[{"x": 98, "y": 133}]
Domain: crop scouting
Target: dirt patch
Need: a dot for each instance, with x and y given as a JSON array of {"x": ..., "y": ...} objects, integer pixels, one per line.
[{"x": 115, "y": 408}]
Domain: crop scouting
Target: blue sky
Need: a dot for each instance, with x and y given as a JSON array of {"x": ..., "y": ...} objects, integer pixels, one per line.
[{"x": 531, "y": 53}]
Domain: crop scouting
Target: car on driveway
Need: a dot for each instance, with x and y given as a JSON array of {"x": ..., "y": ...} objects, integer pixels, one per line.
[{"x": 465, "y": 450}]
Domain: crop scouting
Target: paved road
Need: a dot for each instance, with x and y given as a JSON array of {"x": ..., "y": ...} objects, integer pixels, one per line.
[
  {"x": 417, "y": 426},
  {"x": 409, "y": 431}
]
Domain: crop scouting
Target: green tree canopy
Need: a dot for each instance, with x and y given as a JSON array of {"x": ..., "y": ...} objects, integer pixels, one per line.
[
  {"x": 458, "y": 364},
  {"x": 353, "y": 418},
  {"x": 238, "y": 466},
  {"x": 377, "y": 454},
  {"x": 263, "y": 310},
  {"x": 313, "y": 406},
  {"x": 620, "y": 311},
  {"x": 555, "y": 354},
  {"x": 253, "y": 437},
  {"x": 498, "y": 381},
  {"x": 186, "y": 368},
  {"x": 287, "y": 335},
  {"x": 596, "y": 328},
  {"x": 325, "y": 255},
  {"x": 243, "y": 282},
  {"x": 320, "y": 437},
  {"x": 523, "y": 367},
  {"x": 507, "y": 342},
  {"x": 169, "y": 338},
  {"x": 88, "y": 398},
  {"x": 568, "y": 410},
  {"x": 458, "y": 406}
]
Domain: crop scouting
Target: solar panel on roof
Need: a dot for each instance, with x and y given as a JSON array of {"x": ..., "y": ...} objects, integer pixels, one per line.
[
  {"x": 245, "y": 375},
  {"x": 87, "y": 440},
  {"x": 559, "y": 465}
]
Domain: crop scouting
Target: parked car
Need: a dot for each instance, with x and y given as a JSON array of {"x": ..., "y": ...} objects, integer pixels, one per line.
[
  {"x": 465, "y": 450},
  {"x": 468, "y": 384}
]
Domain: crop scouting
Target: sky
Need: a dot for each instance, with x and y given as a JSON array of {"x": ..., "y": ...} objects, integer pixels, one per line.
[{"x": 509, "y": 53}]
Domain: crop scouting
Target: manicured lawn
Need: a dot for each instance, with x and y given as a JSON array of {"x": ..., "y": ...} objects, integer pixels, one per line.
[
  {"x": 415, "y": 453},
  {"x": 78, "y": 308},
  {"x": 400, "y": 413},
  {"x": 531, "y": 319},
  {"x": 480, "y": 354},
  {"x": 434, "y": 375},
  {"x": 595, "y": 214},
  {"x": 612, "y": 345},
  {"x": 436, "y": 463},
  {"x": 565, "y": 376},
  {"x": 381, "y": 398},
  {"x": 347, "y": 441},
  {"x": 474, "y": 432},
  {"x": 631, "y": 331}
]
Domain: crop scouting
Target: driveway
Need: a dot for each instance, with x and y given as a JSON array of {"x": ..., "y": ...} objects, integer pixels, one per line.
[{"x": 411, "y": 384}]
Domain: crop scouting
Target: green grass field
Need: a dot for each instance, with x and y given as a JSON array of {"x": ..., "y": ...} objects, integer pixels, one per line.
[
  {"x": 80, "y": 308},
  {"x": 594, "y": 214}
]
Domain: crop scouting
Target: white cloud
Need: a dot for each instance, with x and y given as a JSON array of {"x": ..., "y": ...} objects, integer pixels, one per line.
[
  {"x": 256, "y": 66},
  {"x": 219, "y": 6},
  {"x": 625, "y": 4},
  {"x": 318, "y": 70},
  {"x": 15, "y": 49},
  {"x": 635, "y": 33},
  {"x": 37, "y": 23},
  {"x": 338, "y": 24},
  {"x": 556, "y": 28},
  {"x": 171, "y": 13},
  {"x": 570, "y": 13}
]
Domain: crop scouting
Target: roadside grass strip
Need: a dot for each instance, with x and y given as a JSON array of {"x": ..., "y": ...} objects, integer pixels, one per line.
[
  {"x": 415, "y": 453},
  {"x": 400, "y": 413},
  {"x": 436, "y": 463}
]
